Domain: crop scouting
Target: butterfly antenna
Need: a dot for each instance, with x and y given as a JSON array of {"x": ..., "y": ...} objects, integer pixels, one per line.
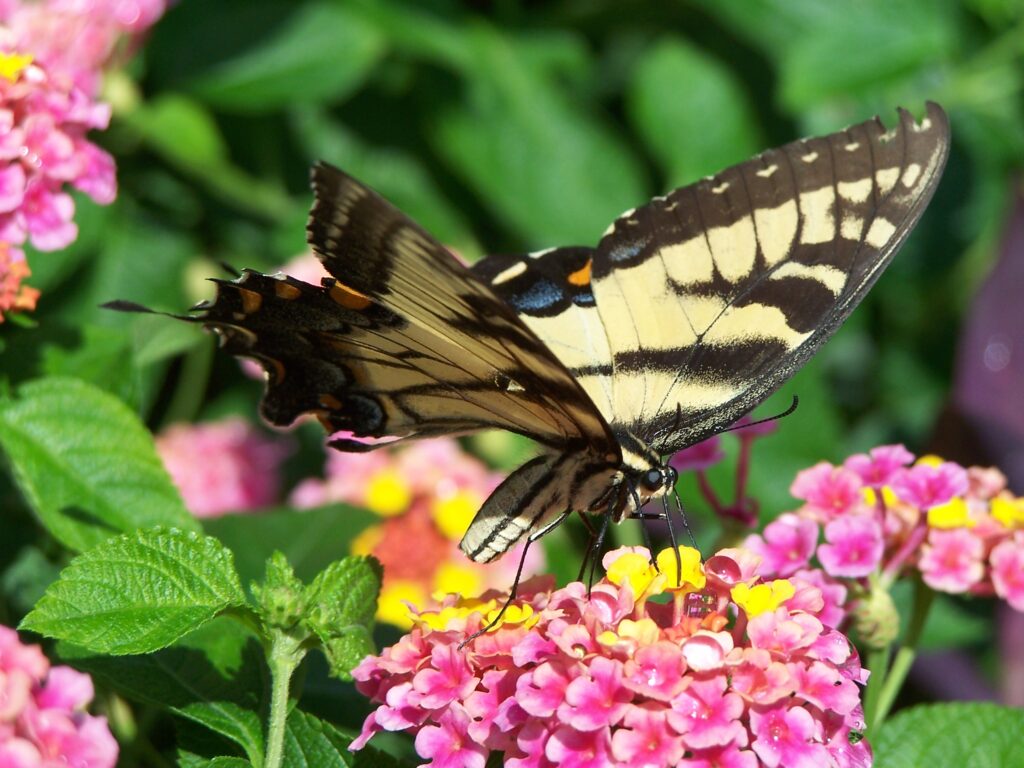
[
  {"x": 776, "y": 417},
  {"x": 538, "y": 534},
  {"x": 229, "y": 269}
]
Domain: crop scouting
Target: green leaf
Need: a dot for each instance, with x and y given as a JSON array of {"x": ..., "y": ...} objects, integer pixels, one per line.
[
  {"x": 674, "y": 119},
  {"x": 281, "y": 598},
  {"x": 186, "y": 135},
  {"x": 341, "y": 603},
  {"x": 85, "y": 463},
  {"x": 322, "y": 52},
  {"x": 312, "y": 743},
  {"x": 213, "y": 677},
  {"x": 547, "y": 167},
  {"x": 188, "y": 760},
  {"x": 980, "y": 735},
  {"x": 26, "y": 578},
  {"x": 139, "y": 592},
  {"x": 311, "y": 539}
]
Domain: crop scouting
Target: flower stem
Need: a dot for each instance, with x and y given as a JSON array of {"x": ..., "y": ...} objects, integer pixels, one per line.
[
  {"x": 878, "y": 707},
  {"x": 283, "y": 657}
]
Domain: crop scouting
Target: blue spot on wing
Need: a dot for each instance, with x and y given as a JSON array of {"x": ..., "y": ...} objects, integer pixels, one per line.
[
  {"x": 626, "y": 251},
  {"x": 540, "y": 295}
]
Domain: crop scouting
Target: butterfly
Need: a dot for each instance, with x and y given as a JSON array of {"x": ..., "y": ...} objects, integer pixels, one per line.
[{"x": 688, "y": 312}]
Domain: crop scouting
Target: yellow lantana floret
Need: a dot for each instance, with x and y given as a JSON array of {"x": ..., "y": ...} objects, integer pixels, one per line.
[
  {"x": 762, "y": 597},
  {"x": 457, "y": 579},
  {"x": 888, "y": 496},
  {"x": 634, "y": 569},
  {"x": 392, "y": 607},
  {"x": 1009, "y": 512},
  {"x": 462, "y": 610},
  {"x": 930, "y": 460},
  {"x": 454, "y": 513},
  {"x": 387, "y": 493},
  {"x": 365, "y": 542},
  {"x": 514, "y": 615},
  {"x": 690, "y": 577},
  {"x": 953, "y": 514},
  {"x": 13, "y": 64}
]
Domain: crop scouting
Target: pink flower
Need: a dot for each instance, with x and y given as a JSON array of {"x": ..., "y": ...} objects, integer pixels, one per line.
[
  {"x": 706, "y": 715},
  {"x": 854, "y": 547},
  {"x": 951, "y": 561},
  {"x": 42, "y": 717},
  {"x": 654, "y": 687},
  {"x": 926, "y": 485},
  {"x": 1007, "y": 563},
  {"x": 448, "y": 744},
  {"x": 219, "y": 467},
  {"x": 833, "y": 595},
  {"x": 880, "y": 465},
  {"x": 829, "y": 491},
  {"x": 597, "y": 698},
  {"x": 786, "y": 545},
  {"x": 704, "y": 454},
  {"x": 569, "y": 748},
  {"x": 646, "y": 741},
  {"x": 785, "y": 736}
]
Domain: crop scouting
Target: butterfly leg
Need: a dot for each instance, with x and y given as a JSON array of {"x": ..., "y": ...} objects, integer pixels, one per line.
[{"x": 535, "y": 536}]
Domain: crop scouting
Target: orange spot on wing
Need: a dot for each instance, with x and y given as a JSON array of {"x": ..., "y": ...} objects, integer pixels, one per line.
[
  {"x": 286, "y": 291},
  {"x": 349, "y": 298},
  {"x": 330, "y": 401},
  {"x": 251, "y": 300},
  {"x": 581, "y": 276}
]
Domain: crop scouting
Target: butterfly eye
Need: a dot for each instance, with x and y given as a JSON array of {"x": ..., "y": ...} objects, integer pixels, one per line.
[{"x": 654, "y": 479}]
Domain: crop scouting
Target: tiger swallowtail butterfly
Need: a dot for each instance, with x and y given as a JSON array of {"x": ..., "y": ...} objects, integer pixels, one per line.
[{"x": 690, "y": 311}]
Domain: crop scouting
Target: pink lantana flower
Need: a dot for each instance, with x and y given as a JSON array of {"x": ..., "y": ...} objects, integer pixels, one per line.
[
  {"x": 951, "y": 561},
  {"x": 43, "y": 718},
  {"x": 786, "y": 545},
  {"x": 613, "y": 677},
  {"x": 929, "y": 485},
  {"x": 829, "y": 491},
  {"x": 224, "y": 466},
  {"x": 880, "y": 465},
  {"x": 1007, "y": 561},
  {"x": 854, "y": 547}
]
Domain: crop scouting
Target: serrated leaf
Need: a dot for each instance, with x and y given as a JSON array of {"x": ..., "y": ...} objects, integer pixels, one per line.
[
  {"x": 312, "y": 743},
  {"x": 676, "y": 128},
  {"x": 975, "y": 734},
  {"x": 213, "y": 677},
  {"x": 341, "y": 603},
  {"x": 85, "y": 463},
  {"x": 321, "y": 52},
  {"x": 139, "y": 592}
]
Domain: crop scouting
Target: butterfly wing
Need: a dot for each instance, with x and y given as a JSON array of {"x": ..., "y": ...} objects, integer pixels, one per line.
[
  {"x": 403, "y": 342},
  {"x": 703, "y": 302}
]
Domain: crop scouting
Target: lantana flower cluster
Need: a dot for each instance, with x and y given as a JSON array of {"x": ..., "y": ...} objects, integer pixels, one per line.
[
  {"x": 222, "y": 466},
  {"x": 882, "y": 514},
  {"x": 723, "y": 669},
  {"x": 427, "y": 493},
  {"x": 51, "y": 55},
  {"x": 43, "y": 721}
]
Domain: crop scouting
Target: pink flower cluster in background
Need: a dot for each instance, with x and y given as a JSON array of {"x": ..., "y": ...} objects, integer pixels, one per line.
[
  {"x": 51, "y": 56},
  {"x": 731, "y": 671},
  {"x": 43, "y": 721},
  {"x": 223, "y": 466},
  {"x": 881, "y": 514},
  {"x": 427, "y": 493}
]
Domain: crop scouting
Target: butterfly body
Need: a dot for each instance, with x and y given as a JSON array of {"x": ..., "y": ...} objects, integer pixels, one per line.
[{"x": 687, "y": 313}]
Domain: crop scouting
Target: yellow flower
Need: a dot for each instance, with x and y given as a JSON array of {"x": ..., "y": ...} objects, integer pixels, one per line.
[
  {"x": 367, "y": 541},
  {"x": 457, "y": 579},
  {"x": 462, "y": 610},
  {"x": 888, "y": 496},
  {"x": 763, "y": 597},
  {"x": 930, "y": 460},
  {"x": 692, "y": 573},
  {"x": 953, "y": 514},
  {"x": 454, "y": 513},
  {"x": 1009, "y": 512},
  {"x": 13, "y": 64},
  {"x": 392, "y": 608},
  {"x": 387, "y": 493},
  {"x": 634, "y": 568},
  {"x": 513, "y": 615}
]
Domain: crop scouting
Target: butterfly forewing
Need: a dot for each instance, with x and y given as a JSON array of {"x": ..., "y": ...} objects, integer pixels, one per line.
[{"x": 714, "y": 295}]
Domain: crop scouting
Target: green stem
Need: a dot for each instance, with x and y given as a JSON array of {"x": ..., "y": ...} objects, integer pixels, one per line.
[
  {"x": 904, "y": 657},
  {"x": 878, "y": 663},
  {"x": 284, "y": 656}
]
